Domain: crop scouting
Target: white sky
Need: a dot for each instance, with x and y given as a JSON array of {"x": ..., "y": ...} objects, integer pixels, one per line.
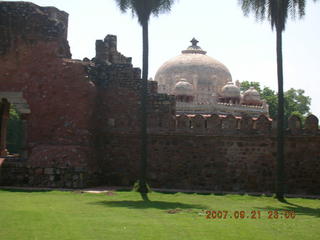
[{"x": 245, "y": 46}]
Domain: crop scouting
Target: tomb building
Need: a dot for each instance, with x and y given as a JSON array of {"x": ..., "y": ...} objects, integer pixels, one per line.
[{"x": 203, "y": 85}]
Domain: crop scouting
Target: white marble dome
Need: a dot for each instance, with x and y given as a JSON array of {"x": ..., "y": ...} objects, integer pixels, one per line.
[
  {"x": 230, "y": 91},
  {"x": 251, "y": 97},
  {"x": 206, "y": 74},
  {"x": 183, "y": 88}
]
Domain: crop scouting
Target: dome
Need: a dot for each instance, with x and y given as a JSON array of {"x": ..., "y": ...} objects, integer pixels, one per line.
[
  {"x": 206, "y": 74},
  {"x": 251, "y": 97},
  {"x": 230, "y": 91},
  {"x": 183, "y": 88}
]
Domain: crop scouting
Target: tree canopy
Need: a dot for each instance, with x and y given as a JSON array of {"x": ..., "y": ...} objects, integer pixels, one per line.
[
  {"x": 295, "y": 100},
  {"x": 275, "y": 11}
]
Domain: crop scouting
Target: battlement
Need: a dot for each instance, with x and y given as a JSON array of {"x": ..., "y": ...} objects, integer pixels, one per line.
[{"x": 215, "y": 124}]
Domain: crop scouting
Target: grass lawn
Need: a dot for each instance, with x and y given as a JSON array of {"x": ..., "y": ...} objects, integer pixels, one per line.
[{"x": 42, "y": 215}]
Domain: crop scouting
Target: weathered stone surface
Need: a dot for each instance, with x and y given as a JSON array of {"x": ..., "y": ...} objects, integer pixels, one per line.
[
  {"x": 24, "y": 23},
  {"x": 294, "y": 124},
  {"x": 229, "y": 123},
  {"x": 183, "y": 122},
  {"x": 246, "y": 123},
  {"x": 244, "y": 163},
  {"x": 214, "y": 123},
  {"x": 198, "y": 122},
  {"x": 59, "y": 96},
  {"x": 312, "y": 124},
  {"x": 263, "y": 124}
]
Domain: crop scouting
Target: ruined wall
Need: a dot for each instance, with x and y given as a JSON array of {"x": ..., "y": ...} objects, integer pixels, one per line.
[
  {"x": 25, "y": 24},
  {"x": 34, "y": 60},
  {"x": 71, "y": 102}
]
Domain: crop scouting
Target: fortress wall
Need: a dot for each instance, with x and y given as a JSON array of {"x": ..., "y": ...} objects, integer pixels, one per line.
[
  {"x": 215, "y": 152},
  {"x": 220, "y": 163},
  {"x": 84, "y": 124},
  {"x": 212, "y": 152}
]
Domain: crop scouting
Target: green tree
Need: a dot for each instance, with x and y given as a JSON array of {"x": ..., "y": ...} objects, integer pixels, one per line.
[
  {"x": 277, "y": 12},
  {"x": 245, "y": 85},
  {"x": 271, "y": 97},
  {"x": 295, "y": 101},
  {"x": 143, "y": 9}
]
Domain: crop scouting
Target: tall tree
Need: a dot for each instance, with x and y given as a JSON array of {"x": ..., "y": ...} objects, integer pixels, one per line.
[
  {"x": 143, "y": 9},
  {"x": 277, "y": 11}
]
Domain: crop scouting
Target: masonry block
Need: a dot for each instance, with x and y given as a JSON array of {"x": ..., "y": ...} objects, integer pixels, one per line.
[
  {"x": 311, "y": 124},
  {"x": 263, "y": 124}
]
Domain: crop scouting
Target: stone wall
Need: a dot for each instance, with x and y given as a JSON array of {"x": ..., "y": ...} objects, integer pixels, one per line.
[
  {"x": 69, "y": 102},
  {"x": 26, "y": 24},
  {"x": 239, "y": 157},
  {"x": 82, "y": 124},
  {"x": 19, "y": 173},
  {"x": 35, "y": 63}
]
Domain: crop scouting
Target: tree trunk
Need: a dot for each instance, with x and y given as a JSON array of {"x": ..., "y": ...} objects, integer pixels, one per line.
[
  {"x": 280, "y": 181},
  {"x": 144, "y": 115}
]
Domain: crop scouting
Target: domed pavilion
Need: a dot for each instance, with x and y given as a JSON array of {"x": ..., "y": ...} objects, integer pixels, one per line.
[{"x": 203, "y": 85}]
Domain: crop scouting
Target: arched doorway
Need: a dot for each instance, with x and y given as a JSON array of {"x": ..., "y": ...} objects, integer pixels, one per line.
[{"x": 19, "y": 106}]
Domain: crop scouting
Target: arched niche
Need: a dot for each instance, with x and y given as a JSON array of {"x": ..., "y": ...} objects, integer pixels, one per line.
[{"x": 7, "y": 100}]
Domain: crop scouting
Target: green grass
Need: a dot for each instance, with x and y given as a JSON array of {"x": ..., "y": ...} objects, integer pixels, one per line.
[{"x": 58, "y": 215}]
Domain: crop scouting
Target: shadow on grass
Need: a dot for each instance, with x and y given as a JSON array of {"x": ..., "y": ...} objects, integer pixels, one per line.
[
  {"x": 189, "y": 192},
  {"x": 26, "y": 190},
  {"x": 149, "y": 204},
  {"x": 298, "y": 209}
]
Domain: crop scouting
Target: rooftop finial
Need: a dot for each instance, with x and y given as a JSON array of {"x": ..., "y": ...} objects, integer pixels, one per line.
[
  {"x": 194, "y": 42},
  {"x": 194, "y": 48}
]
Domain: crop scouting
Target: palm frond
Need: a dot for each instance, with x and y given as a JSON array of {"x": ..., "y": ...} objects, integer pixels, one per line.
[
  {"x": 276, "y": 11},
  {"x": 143, "y": 9},
  {"x": 124, "y": 5}
]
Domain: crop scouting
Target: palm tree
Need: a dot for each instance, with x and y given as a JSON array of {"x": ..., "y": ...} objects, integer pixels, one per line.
[
  {"x": 143, "y": 9},
  {"x": 277, "y": 11}
]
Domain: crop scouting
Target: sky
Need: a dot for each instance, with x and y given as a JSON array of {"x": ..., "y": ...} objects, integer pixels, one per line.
[{"x": 245, "y": 46}]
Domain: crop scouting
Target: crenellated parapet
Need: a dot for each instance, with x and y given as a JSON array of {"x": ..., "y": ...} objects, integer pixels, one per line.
[
  {"x": 312, "y": 124},
  {"x": 227, "y": 125}
]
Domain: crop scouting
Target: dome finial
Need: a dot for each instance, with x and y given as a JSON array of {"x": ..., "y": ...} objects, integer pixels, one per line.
[
  {"x": 194, "y": 48},
  {"x": 194, "y": 42}
]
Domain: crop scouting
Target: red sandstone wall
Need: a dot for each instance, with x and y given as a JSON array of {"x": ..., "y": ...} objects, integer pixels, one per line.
[
  {"x": 60, "y": 95},
  {"x": 219, "y": 163}
]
